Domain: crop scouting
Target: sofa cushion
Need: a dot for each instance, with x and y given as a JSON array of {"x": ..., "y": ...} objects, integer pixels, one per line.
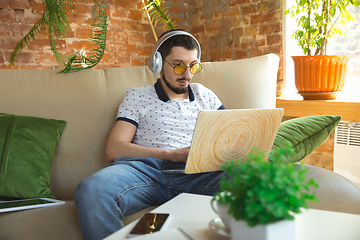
[
  {"x": 27, "y": 148},
  {"x": 304, "y": 134}
]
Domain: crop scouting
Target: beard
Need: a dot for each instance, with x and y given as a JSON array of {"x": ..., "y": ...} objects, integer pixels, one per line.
[{"x": 177, "y": 90}]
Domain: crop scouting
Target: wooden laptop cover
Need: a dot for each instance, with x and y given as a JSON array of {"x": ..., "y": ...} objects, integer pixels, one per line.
[{"x": 225, "y": 135}]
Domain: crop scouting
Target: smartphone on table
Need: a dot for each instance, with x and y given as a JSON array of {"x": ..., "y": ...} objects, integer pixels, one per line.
[{"x": 149, "y": 223}]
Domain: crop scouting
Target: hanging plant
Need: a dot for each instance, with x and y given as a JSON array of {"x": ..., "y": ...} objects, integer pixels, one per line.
[
  {"x": 54, "y": 19},
  {"x": 80, "y": 60}
]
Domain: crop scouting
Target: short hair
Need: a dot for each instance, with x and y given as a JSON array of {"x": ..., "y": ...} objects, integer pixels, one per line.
[{"x": 184, "y": 41}]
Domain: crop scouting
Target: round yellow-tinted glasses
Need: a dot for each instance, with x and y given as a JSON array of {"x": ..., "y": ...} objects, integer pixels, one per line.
[{"x": 180, "y": 68}]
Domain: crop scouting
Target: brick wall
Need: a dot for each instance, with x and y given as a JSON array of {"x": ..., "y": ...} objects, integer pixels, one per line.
[
  {"x": 129, "y": 40},
  {"x": 227, "y": 29},
  {"x": 236, "y": 29}
]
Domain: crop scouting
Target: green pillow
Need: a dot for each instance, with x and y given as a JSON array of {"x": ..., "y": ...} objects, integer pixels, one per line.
[
  {"x": 27, "y": 148},
  {"x": 304, "y": 134}
]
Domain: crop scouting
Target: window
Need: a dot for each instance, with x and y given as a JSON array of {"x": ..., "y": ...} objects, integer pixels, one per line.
[{"x": 338, "y": 45}]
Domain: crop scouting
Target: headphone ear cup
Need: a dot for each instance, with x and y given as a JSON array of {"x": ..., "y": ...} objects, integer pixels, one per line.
[{"x": 157, "y": 63}]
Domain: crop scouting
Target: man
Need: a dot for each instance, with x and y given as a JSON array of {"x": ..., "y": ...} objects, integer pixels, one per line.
[{"x": 152, "y": 133}]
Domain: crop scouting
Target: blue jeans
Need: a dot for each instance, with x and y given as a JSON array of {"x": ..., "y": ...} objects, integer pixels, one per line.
[{"x": 130, "y": 185}]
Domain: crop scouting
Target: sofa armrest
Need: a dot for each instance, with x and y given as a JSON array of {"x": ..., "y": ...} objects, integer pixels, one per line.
[{"x": 335, "y": 193}]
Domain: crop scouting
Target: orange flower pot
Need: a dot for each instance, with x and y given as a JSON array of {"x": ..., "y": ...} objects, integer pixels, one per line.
[{"x": 320, "y": 77}]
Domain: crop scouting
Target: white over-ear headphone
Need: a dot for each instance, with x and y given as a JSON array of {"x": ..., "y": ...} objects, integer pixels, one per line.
[{"x": 154, "y": 61}]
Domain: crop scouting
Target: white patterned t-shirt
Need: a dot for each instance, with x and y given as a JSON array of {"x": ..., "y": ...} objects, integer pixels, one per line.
[{"x": 163, "y": 122}]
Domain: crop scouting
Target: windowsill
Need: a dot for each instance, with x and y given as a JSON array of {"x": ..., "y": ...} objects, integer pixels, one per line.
[{"x": 347, "y": 107}]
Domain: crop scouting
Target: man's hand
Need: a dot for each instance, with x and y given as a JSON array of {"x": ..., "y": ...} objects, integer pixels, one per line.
[
  {"x": 178, "y": 155},
  {"x": 119, "y": 145}
]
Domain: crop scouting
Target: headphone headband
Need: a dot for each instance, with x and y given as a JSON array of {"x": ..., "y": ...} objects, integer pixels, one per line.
[{"x": 154, "y": 61}]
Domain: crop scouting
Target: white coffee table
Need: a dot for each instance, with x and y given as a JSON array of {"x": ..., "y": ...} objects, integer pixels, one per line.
[{"x": 192, "y": 213}]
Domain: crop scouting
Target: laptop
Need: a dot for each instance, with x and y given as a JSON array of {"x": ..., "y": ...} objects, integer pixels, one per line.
[{"x": 224, "y": 135}]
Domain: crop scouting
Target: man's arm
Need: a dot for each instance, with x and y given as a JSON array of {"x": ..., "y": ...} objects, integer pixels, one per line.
[{"x": 119, "y": 145}]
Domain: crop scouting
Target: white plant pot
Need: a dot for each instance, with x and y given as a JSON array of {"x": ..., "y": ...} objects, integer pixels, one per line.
[{"x": 281, "y": 230}]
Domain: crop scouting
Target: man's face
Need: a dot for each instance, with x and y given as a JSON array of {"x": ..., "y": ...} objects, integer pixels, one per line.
[{"x": 178, "y": 83}]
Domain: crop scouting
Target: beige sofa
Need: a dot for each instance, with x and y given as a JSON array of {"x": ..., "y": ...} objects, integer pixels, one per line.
[{"x": 88, "y": 101}]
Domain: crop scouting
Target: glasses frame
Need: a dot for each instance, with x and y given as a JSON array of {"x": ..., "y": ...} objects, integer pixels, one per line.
[{"x": 185, "y": 66}]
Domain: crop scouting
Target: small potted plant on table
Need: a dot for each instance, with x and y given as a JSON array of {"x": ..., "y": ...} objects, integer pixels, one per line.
[
  {"x": 317, "y": 75},
  {"x": 262, "y": 196}
]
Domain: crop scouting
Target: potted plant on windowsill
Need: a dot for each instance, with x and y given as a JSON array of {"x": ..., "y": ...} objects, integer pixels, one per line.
[
  {"x": 317, "y": 75},
  {"x": 259, "y": 195}
]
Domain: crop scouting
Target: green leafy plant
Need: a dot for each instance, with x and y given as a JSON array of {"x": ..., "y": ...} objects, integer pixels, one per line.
[
  {"x": 318, "y": 21},
  {"x": 156, "y": 13},
  {"x": 80, "y": 60},
  {"x": 262, "y": 192},
  {"x": 54, "y": 19}
]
